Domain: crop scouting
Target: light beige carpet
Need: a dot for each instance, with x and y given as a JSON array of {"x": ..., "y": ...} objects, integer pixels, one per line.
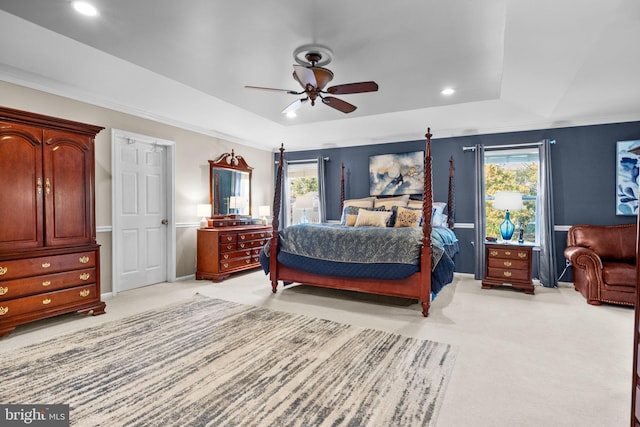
[{"x": 213, "y": 362}]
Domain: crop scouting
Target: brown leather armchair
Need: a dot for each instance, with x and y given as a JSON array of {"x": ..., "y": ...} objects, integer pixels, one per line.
[{"x": 604, "y": 262}]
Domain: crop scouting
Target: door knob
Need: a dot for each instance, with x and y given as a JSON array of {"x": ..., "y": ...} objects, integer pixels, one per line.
[{"x": 164, "y": 222}]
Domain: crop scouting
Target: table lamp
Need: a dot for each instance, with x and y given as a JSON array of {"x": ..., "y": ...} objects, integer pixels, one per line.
[
  {"x": 264, "y": 211},
  {"x": 507, "y": 201},
  {"x": 204, "y": 211}
]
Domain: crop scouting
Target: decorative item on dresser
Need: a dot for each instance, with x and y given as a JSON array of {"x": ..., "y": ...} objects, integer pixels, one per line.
[
  {"x": 508, "y": 264},
  {"x": 49, "y": 258}
]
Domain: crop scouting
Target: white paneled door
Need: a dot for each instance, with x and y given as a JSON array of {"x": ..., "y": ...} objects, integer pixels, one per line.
[{"x": 141, "y": 214}]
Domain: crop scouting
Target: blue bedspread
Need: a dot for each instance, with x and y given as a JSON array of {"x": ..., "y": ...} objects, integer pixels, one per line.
[{"x": 371, "y": 252}]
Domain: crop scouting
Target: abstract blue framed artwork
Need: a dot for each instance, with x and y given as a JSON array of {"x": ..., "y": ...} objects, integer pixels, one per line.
[
  {"x": 627, "y": 171},
  {"x": 396, "y": 174}
]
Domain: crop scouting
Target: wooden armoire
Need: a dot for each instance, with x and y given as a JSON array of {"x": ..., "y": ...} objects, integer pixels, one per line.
[{"x": 49, "y": 258}]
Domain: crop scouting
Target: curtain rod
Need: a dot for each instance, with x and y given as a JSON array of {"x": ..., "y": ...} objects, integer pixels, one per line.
[
  {"x": 326, "y": 159},
  {"x": 490, "y": 147}
]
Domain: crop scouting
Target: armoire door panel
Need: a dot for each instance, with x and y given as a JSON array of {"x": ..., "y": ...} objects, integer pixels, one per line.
[
  {"x": 67, "y": 175},
  {"x": 22, "y": 186}
]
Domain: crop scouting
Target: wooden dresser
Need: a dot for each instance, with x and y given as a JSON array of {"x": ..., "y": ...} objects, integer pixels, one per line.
[
  {"x": 508, "y": 264},
  {"x": 49, "y": 258},
  {"x": 224, "y": 249}
]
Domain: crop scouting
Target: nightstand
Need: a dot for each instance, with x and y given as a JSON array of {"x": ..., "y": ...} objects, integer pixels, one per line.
[{"x": 508, "y": 264}]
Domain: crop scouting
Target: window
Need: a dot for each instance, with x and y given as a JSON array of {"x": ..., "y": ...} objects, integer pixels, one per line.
[
  {"x": 304, "y": 200},
  {"x": 513, "y": 170}
]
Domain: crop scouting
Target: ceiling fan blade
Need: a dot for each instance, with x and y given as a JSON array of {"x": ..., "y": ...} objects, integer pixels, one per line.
[
  {"x": 359, "y": 87},
  {"x": 338, "y": 104},
  {"x": 294, "y": 105},
  {"x": 292, "y": 92},
  {"x": 304, "y": 76}
]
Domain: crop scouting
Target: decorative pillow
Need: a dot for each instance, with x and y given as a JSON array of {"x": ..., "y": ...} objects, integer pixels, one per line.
[
  {"x": 438, "y": 219},
  {"x": 414, "y": 204},
  {"x": 349, "y": 215},
  {"x": 365, "y": 202},
  {"x": 372, "y": 218},
  {"x": 407, "y": 217},
  {"x": 389, "y": 202}
]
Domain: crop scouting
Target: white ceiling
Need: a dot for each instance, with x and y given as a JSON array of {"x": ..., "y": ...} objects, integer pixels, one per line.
[{"x": 515, "y": 64}]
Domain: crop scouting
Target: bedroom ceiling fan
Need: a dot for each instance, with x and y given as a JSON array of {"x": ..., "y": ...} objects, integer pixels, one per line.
[{"x": 313, "y": 78}]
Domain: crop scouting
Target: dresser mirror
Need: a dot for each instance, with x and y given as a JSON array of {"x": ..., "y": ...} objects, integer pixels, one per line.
[{"x": 230, "y": 186}]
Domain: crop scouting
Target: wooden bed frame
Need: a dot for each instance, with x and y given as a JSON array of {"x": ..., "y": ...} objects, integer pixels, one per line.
[{"x": 416, "y": 286}]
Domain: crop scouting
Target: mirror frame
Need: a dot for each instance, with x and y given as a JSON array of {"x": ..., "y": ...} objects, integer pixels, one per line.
[{"x": 226, "y": 161}]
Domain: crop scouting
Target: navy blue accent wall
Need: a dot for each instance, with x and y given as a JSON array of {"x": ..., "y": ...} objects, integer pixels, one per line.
[{"x": 583, "y": 168}]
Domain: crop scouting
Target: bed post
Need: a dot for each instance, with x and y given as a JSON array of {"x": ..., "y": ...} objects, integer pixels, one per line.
[
  {"x": 275, "y": 224},
  {"x": 427, "y": 213},
  {"x": 451, "y": 202},
  {"x": 342, "y": 189}
]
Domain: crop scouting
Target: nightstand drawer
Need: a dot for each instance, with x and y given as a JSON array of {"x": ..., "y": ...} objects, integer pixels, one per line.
[
  {"x": 512, "y": 264},
  {"x": 507, "y": 274},
  {"x": 508, "y": 253}
]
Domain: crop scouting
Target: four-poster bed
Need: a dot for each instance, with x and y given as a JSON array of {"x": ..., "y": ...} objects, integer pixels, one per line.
[{"x": 405, "y": 270}]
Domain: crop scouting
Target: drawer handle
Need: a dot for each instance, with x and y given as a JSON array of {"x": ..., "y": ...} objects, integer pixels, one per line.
[
  {"x": 247, "y": 261},
  {"x": 226, "y": 265},
  {"x": 3, "y": 270},
  {"x": 242, "y": 245},
  {"x": 3, "y": 290},
  {"x": 229, "y": 246},
  {"x": 46, "y": 283},
  {"x": 46, "y": 301},
  {"x": 261, "y": 234},
  {"x": 242, "y": 236},
  {"x": 522, "y": 254},
  {"x": 47, "y": 186},
  {"x": 46, "y": 264},
  {"x": 493, "y": 253},
  {"x": 226, "y": 256},
  {"x": 39, "y": 186},
  {"x": 507, "y": 263},
  {"x": 248, "y": 252},
  {"x": 4, "y": 310},
  {"x": 85, "y": 292},
  {"x": 84, "y": 276},
  {"x": 506, "y": 273},
  {"x": 83, "y": 259},
  {"x": 507, "y": 252},
  {"x": 229, "y": 238}
]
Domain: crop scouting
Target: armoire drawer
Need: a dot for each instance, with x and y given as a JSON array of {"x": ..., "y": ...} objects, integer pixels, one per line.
[
  {"x": 48, "y": 301},
  {"x": 10, "y": 289},
  {"x": 17, "y": 268}
]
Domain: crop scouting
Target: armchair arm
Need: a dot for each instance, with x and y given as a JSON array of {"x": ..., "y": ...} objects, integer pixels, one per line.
[
  {"x": 591, "y": 265},
  {"x": 583, "y": 258}
]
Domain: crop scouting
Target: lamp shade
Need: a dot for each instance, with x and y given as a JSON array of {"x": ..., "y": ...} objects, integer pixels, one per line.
[
  {"x": 204, "y": 210},
  {"x": 507, "y": 201}
]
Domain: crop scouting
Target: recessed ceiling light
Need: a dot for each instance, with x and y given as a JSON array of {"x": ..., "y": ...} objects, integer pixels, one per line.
[
  {"x": 84, "y": 8},
  {"x": 448, "y": 91}
]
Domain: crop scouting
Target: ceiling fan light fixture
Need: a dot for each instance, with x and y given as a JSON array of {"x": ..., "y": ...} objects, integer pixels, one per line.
[{"x": 84, "y": 8}]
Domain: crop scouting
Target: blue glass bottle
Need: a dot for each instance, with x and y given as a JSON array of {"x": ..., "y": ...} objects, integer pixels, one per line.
[{"x": 507, "y": 228}]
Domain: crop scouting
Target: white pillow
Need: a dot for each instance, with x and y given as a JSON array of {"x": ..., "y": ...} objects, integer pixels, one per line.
[
  {"x": 414, "y": 204},
  {"x": 365, "y": 202},
  {"x": 389, "y": 202},
  {"x": 372, "y": 218},
  {"x": 438, "y": 218}
]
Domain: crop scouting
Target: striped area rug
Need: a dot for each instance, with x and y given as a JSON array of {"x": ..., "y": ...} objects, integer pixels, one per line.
[{"x": 207, "y": 362}]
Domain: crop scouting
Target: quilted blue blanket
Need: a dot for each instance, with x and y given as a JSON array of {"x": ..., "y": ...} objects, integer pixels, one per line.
[{"x": 372, "y": 252}]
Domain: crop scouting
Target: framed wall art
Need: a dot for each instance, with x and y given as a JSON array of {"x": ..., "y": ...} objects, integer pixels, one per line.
[
  {"x": 396, "y": 174},
  {"x": 627, "y": 171}
]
